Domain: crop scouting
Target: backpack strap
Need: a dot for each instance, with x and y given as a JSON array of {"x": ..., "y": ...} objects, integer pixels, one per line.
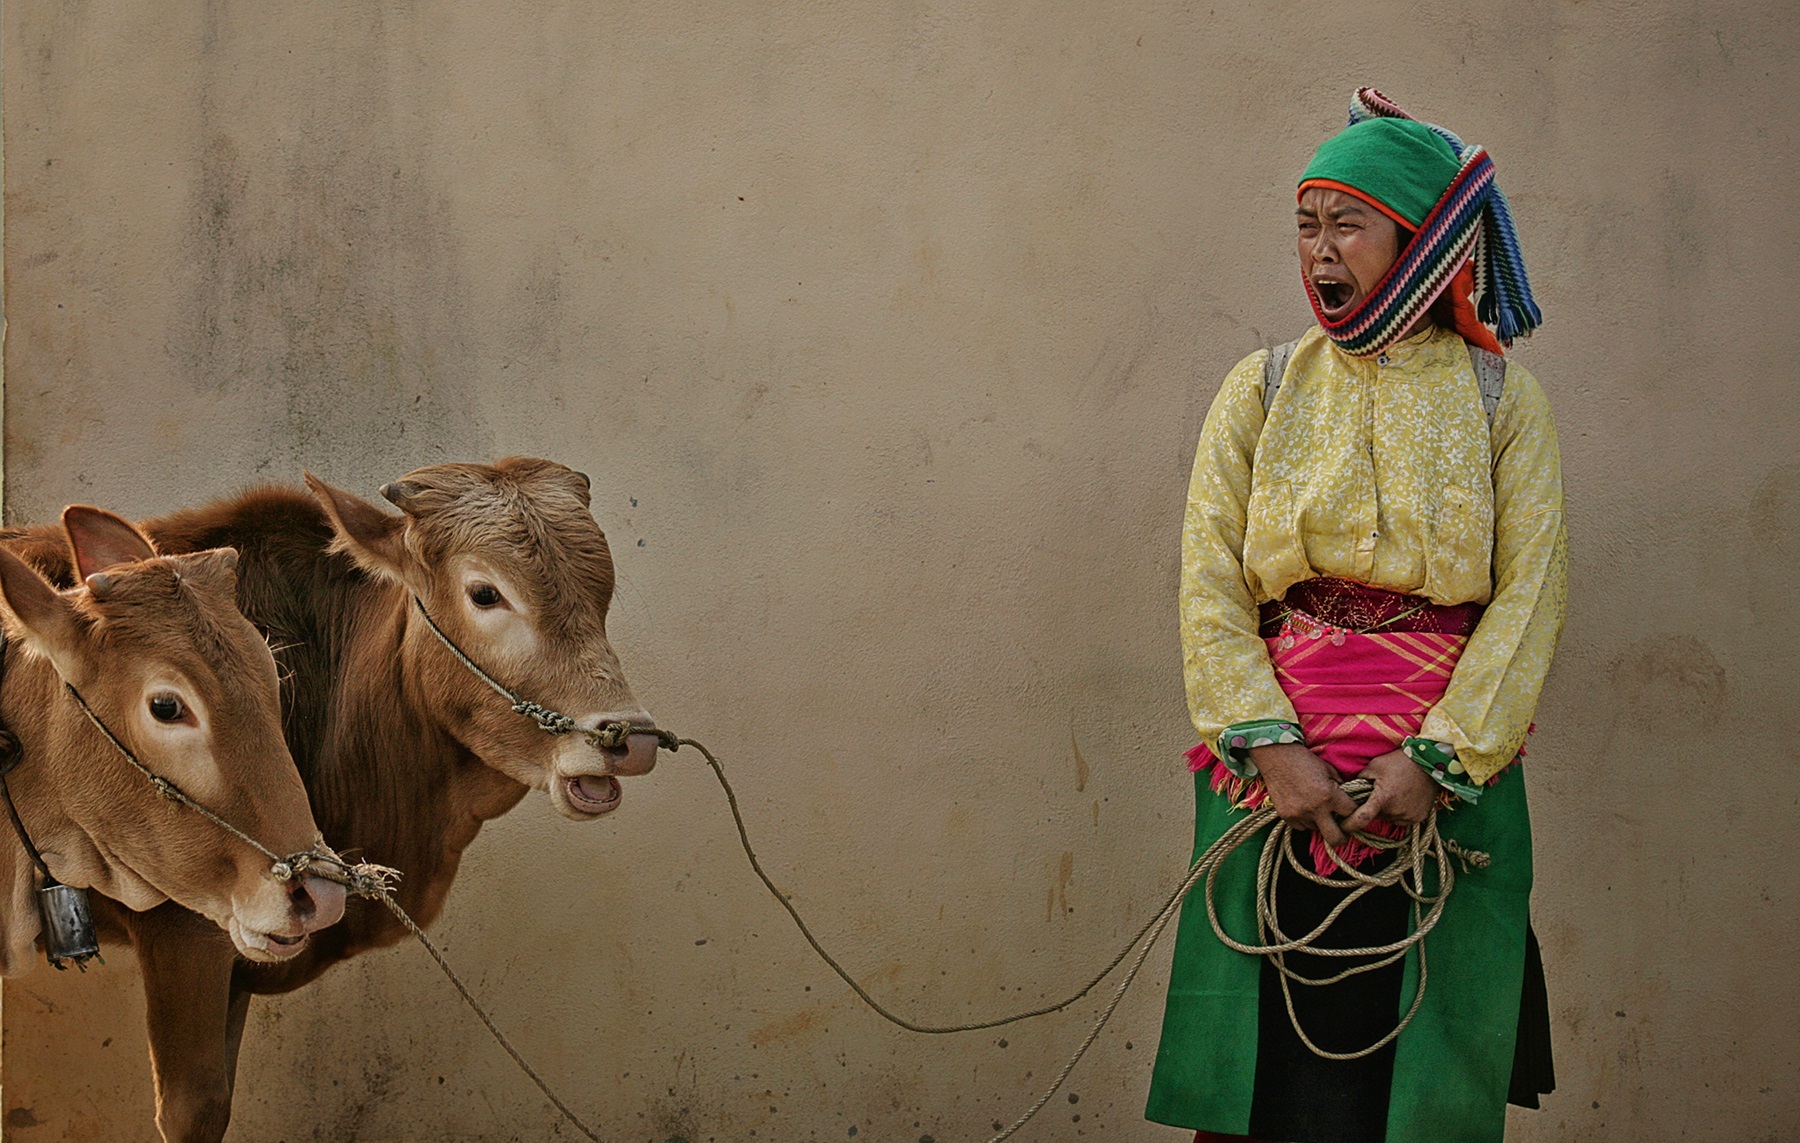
[
  {"x": 1273, "y": 370},
  {"x": 1490, "y": 375}
]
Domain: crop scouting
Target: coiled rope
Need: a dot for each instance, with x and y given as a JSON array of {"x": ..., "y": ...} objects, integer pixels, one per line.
[{"x": 1422, "y": 847}]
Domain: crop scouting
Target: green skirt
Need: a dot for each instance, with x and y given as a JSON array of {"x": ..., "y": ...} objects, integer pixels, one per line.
[{"x": 1450, "y": 1067}]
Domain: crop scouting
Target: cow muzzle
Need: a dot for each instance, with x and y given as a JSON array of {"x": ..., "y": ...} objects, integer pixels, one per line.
[
  {"x": 636, "y": 756},
  {"x": 275, "y": 932},
  {"x": 586, "y": 779}
]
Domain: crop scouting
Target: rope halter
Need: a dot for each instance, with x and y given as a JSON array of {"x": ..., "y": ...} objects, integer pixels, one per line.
[
  {"x": 364, "y": 879},
  {"x": 612, "y": 734}
]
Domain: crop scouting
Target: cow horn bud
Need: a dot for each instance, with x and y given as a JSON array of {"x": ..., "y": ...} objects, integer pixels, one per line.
[
  {"x": 402, "y": 494},
  {"x": 100, "y": 585}
]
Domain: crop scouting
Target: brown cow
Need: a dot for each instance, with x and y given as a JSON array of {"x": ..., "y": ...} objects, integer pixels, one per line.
[
  {"x": 157, "y": 649},
  {"x": 404, "y": 751}
]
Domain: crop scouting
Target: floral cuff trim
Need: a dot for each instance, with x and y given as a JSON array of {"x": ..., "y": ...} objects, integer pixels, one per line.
[
  {"x": 1439, "y": 760},
  {"x": 1238, "y": 739}
]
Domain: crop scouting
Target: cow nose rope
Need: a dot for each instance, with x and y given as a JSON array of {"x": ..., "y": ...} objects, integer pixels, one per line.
[
  {"x": 610, "y": 735},
  {"x": 68, "y": 924},
  {"x": 1421, "y": 848},
  {"x": 362, "y": 878}
]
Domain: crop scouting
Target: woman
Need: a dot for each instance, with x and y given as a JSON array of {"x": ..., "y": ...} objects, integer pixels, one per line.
[{"x": 1372, "y": 585}]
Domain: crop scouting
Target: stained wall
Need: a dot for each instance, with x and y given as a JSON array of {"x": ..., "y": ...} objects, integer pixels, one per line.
[{"x": 885, "y": 332}]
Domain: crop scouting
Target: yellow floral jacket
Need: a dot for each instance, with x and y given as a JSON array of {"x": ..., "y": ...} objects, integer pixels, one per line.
[{"x": 1384, "y": 471}]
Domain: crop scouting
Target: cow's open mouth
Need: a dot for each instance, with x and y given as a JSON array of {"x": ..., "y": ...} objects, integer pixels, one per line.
[
  {"x": 267, "y": 947},
  {"x": 593, "y": 793}
]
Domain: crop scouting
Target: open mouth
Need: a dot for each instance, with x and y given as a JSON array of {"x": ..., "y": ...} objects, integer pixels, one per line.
[
  {"x": 593, "y": 793},
  {"x": 266, "y": 947},
  {"x": 1334, "y": 297}
]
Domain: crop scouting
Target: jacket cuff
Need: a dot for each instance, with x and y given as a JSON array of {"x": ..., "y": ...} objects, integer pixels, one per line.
[
  {"x": 1439, "y": 760},
  {"x": 1237, "y": 740}
]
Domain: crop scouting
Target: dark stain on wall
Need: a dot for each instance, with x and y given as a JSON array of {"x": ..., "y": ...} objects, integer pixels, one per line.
[
  {"x": 322, "y": 259},
  {"x": 1775, "y": 518},
  {"x": 1671, "y": 684}
]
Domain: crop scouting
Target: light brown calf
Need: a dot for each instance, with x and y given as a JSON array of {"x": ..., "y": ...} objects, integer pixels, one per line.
[
  {"x": 405, "y": 752},
  {"x": 159, "y": 651}
]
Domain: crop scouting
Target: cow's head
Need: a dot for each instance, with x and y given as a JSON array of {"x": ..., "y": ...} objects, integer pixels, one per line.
[
  {"x": 157, "y": 648},
  {"x": 510, "y": 564}
]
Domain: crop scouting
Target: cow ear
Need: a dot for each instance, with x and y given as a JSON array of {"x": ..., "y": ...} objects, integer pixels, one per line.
[
  {"x": 99, "y": 539},
  {"x": 584, "y": 488},
  {"x": 45, "y": 618},
  {"x": 364, "y": 532}
]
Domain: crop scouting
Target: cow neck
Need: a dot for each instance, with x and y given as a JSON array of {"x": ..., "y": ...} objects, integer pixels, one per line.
[
  {"x": 32, "y": 696},
  {"x": 19, "y": 921},
  {"x": 11, "y": 753},
  {"x": 431, "y": 793}
]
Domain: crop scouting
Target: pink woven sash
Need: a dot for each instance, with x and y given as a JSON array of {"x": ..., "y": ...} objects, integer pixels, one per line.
[{"x": 1357, "y": 695}]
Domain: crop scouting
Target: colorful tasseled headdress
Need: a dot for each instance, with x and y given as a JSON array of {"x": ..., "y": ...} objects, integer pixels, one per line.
[{"x": 1443, "y": 189}]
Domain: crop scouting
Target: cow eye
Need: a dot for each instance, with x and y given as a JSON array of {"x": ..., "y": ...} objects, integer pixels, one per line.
[
  {"x": 166, "y": 708},
  {"x": 483, "y": 595}
]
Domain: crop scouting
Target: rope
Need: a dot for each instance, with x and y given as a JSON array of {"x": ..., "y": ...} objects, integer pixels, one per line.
[
  {"x": 609, "y": 735},
  {"x": 843, "y": 974},
  {"x": 481, "y": 1013},
  {"x": 365, "y": 879},
  {"x": 1421, "y": 842},
  {"x": 11, "y": 754}
]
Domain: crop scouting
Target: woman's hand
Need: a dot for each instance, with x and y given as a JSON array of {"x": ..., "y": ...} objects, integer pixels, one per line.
[
  {"x": 1305, "y": 788},
  {"x": 1404, "y": 793}
]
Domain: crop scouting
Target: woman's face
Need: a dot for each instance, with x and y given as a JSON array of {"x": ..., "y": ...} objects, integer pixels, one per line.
[{"x": 1346, "y": 245}]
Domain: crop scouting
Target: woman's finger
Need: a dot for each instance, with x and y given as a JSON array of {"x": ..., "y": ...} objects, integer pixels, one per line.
[
  {"x": 1328, "y": 828},
  {"x": 1366, "y": 812}
]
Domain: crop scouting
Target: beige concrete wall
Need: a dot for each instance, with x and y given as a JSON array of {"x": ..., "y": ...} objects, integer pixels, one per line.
[{"x": 885, "y": 331}]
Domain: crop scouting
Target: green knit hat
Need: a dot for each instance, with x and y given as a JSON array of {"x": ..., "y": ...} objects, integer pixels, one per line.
[{"x": 1401, "y": 163}]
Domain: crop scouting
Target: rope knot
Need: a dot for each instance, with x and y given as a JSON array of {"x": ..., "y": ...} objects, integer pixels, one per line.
[
  {"x": 612, "y": 735},
  {"x": 167, "y": 789},
  {"x": 364, "y": 878},
  {"x": 1468, "y": 857},
  {"x": 547, "y": 719},
  {"x": 616, "y": 735}
]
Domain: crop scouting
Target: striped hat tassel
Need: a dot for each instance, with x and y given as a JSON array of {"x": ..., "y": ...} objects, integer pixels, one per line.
[
  {"x": 1505, "y": 300},
  {"x": 1503, "y": 292}
]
